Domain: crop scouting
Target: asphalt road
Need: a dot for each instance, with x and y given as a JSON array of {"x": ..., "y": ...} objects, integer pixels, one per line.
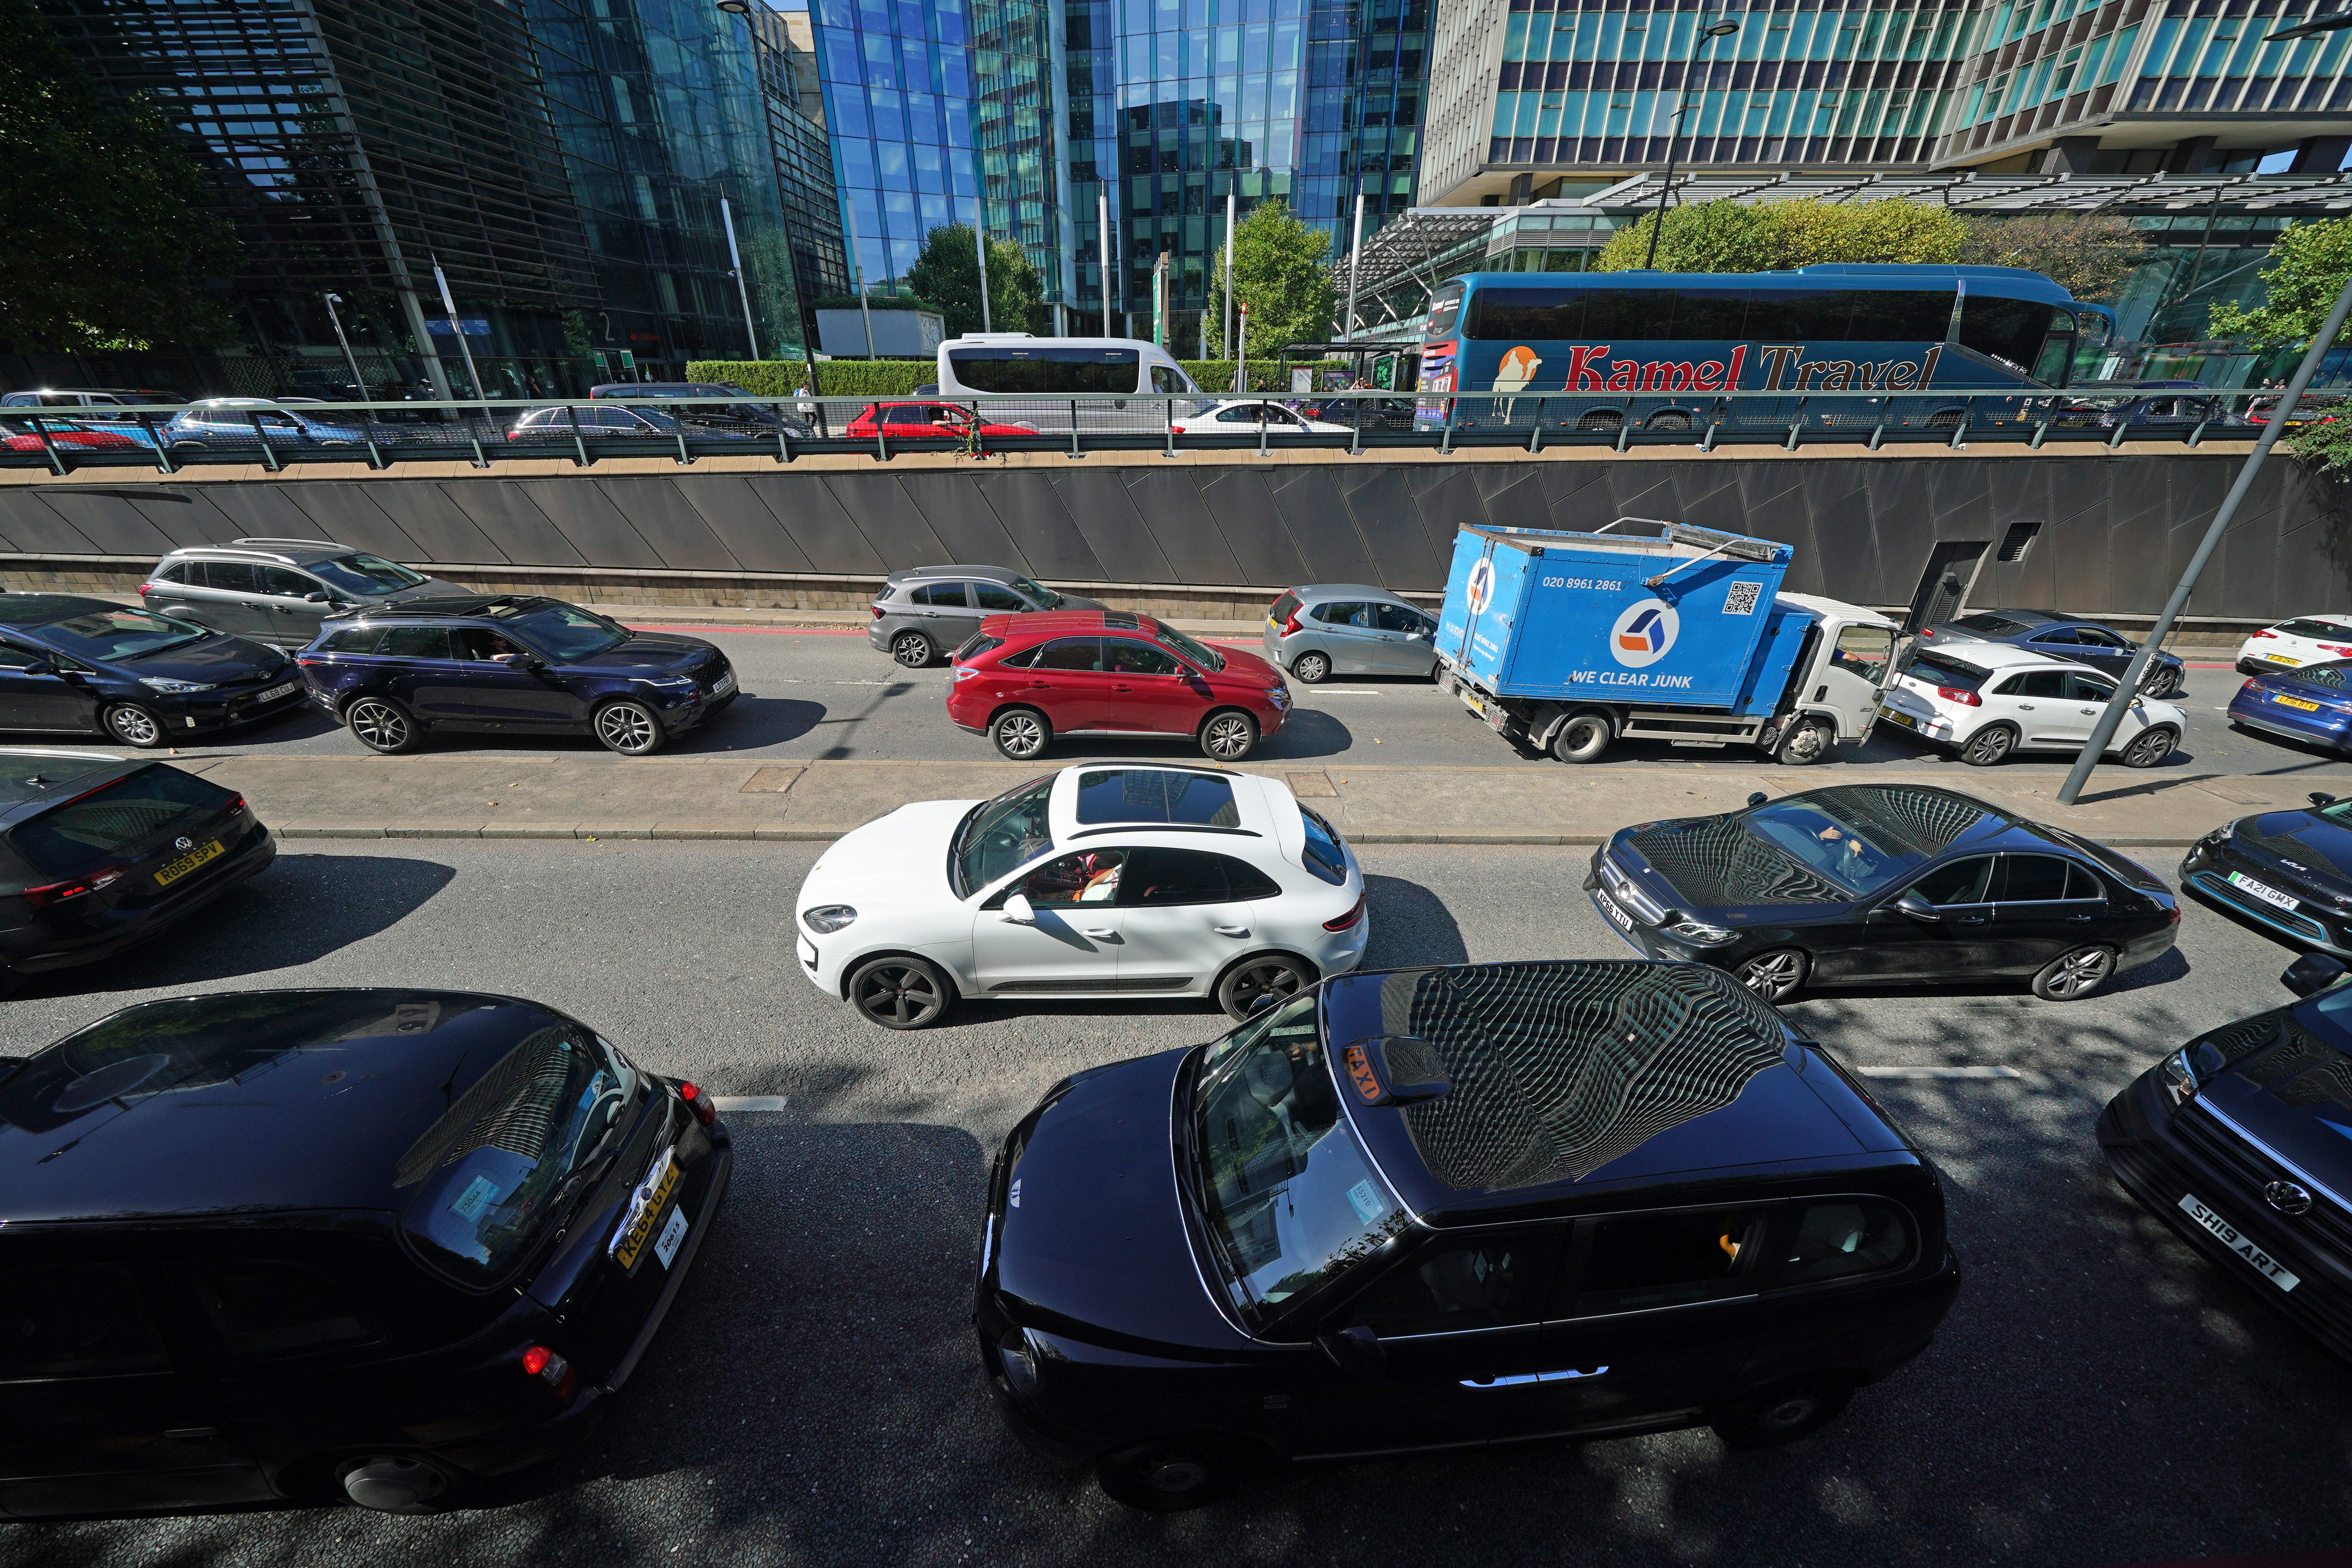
[
  {"x": 2098, "y": 1396},
  {"x": 814, "y": 695}
]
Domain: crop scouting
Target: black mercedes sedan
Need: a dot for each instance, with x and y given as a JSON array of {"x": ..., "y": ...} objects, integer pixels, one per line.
[
  {"x": 2289, "y": 872},
  {"x": 1438, "y": 1208},
  {"x": 2062, "y": 635},
  {"x": 89, "y": 667},
  {"x": 369, "y": 1245},
  {"x": 1881, "y": 885},
  {"x": 2242, "y": 1142}
]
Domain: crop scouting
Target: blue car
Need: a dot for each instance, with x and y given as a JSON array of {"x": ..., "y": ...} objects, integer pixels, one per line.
[
  {"x": 2313, "y": 703},
  {"x": 230, "y": 421},
  {"x": 2062, "y": 635},
  {"x": 512, "y": 664}
]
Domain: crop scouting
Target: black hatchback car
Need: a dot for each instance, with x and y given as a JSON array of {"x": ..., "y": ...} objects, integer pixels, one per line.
[
  {"x": 2063, "y": 636},
  {"x": 1448, "y": 1207},
  {"x": 2242, "y": 1142},
  {"x": 75, "y": 665},
  {"x": 2289, "y": 871},
  {"x": 1881, "y": 885},
  {"x": 316, "y": 1244},
  {"x": 510, "y": 664},
  {"x": 97, "y": 853}
]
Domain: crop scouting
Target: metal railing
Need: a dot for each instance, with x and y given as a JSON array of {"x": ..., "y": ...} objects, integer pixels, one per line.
[{"x": 584, "y": 432}]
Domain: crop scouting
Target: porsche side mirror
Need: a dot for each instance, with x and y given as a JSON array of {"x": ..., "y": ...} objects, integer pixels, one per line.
[
  {"x": 1356, "y": 1349},
  {"x": 2314, "y": 971},
  {"x": 1017, "y": 909},
  {"x": 2321, "y": 797},
  {"x": 1758, "y": 798},
  {"x": 1916, "y": 906}
]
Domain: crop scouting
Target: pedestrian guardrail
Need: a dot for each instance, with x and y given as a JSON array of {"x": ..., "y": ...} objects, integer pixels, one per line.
[{"x": 382, "y": 435}]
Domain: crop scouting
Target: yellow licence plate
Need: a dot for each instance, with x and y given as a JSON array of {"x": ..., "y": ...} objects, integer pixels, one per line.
[
  {"x": 187, "y": 863},
  {"x": 1897, "y": 717},
  {"x": 2274, "y": 657},
  {"x": 2296, "y": 702}
]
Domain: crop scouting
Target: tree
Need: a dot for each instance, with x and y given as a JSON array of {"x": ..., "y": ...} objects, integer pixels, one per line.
[
  {"x": 1278, "y": 273},
  {"x": 2309, "y": 267},
  {"x": 2086, "y": 254},
  {"x": 1773, "y": 237},
  {"x": 946, "y": 274},
  {"x": 104, "y": 245}
]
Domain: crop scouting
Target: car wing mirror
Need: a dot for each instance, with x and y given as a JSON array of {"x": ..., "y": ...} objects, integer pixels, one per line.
[
  {"x": 1758, "y": 798},
  {"x": 1916, "y": 906},
  {"x": 1356, "y": 1349},
  {"x": 41, "y": 666},
  {"x": 1018, "y": 910},
  {"x": 2314, "y": 971},
  {"x": 2321, "y": 797},
  {"x": 314, "y": 598}
]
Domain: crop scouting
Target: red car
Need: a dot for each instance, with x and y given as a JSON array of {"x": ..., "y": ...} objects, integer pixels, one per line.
[
  {"x": 1024, "y": 680},
  {"x": 926, "y": 422},
  {"x": 65, "y": 436}
]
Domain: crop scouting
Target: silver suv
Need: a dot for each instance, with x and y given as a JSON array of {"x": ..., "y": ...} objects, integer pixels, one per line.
[
  {"x": 926, "y": 610},
  {"x": 277, "y": 590},
  {"x": 1348, "y": 628}
]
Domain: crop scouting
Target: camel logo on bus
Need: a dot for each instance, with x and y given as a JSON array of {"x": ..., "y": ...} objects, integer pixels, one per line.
[
  {"x": 1644, "y": 633},
  {"x": 1481, "y": 587}
]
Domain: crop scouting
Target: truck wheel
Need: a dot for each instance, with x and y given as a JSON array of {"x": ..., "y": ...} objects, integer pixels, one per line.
[
  {"x": 1807, "y": 743},
  {"x": 1581, "y": 740}
]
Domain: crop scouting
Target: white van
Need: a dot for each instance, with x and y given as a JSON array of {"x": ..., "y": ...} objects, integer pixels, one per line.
[{"x": 1043, "y": 374}]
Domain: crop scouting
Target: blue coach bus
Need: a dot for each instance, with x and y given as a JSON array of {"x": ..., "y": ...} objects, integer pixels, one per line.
[{"x": 1601, "y": 352}]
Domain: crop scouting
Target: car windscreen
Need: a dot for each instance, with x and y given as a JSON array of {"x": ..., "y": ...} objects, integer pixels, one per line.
[
  {"x": 1040, "y": 595},
  {"x": 363, "y": 573},
  {"x": 1286, "y": 1194},
  {"x": 2323, "y": 629},
  {"x": 1810, "y": 832},
  {"x": 492, "y": 1168},
  {"x": 83, "y": 834},
  {"x": 1001, "y": 836},
  {"x": 102, "y": 635},
  {"x": 566, "y": 632},
  {"x": 1205, "y": 656}
]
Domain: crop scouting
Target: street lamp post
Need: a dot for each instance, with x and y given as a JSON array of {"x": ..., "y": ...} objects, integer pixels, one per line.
[
  {"x": 742, "y": 285},
  {"x": 350, "y": 358},
  {"x": 1706, "y": 36}
]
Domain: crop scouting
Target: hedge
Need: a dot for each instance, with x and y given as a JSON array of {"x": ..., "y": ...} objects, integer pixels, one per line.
[{"x": 899, "y": 377}]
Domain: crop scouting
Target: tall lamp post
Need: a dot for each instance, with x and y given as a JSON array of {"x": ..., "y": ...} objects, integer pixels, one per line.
[
  {"x": 350, "y": 358},
  {"x": 1699, "y": 49}
]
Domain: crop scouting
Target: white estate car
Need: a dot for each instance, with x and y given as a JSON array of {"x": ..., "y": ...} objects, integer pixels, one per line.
[
  {"x": 2289, "y": 645},
  {"x": 1244, "y": 415},
  {"x": 1097, "y": 880},
  {"x": 1988, "y": 700}
]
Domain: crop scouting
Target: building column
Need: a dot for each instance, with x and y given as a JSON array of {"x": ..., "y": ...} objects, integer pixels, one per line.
[
  {"x": 2070, "y": 155},
  {"x": 2320, "y": 154},
  {"x": 2194, "y": 155}
]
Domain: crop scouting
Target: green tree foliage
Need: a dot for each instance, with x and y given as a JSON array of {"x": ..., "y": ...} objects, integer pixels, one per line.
[
  {"x": 1773, "y": 236},
  {"x": 102, "y": 244},
  {"x": 2307, "y": 270},
  {"x": 1278, "y": 273},
  {"x": 2087, "y": 254},
  {"x": 946, "y": 274}
]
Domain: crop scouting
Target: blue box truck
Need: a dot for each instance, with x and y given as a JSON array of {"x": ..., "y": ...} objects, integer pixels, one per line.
[{"x": 1570, "y": 641}]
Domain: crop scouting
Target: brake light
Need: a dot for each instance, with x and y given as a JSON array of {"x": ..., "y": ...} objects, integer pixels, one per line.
[
  {"x": 58, "y": 892},
  {"x": 878, "y": 611},
  {"x": 1927, "y": 631},
  {"x": 2338, "y": 649},
  {"x": 2264, "y": 636},
  {"x": 697, "y": 1100},
  {"x": 1355, "y": 913},
  {"x": 1961, "y": 695},
  {"x": 2173, "y": 914},
  {"x": 1290, "y": 626},
  {"x": 551, "y": 1368},
  {"x": 231, "y": 806}
]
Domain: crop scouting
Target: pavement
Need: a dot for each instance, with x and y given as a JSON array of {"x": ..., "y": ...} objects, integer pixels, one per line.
[{"x": 2098, "y": 1396}]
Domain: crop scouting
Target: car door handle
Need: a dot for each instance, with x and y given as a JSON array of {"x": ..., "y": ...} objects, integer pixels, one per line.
[
  {"x": 1967, "y": 920},
  {"x": 1524, "y": 1379},
  {"x": 1232, "y": 930},
  {"x": 1121, "y": 686},
  {"x": 1100, "y": 932}
]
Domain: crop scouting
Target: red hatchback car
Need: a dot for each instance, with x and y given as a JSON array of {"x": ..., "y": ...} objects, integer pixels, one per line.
[
  {"x": 1024, "y": 680},
  {"x": 926, "y": 422}
]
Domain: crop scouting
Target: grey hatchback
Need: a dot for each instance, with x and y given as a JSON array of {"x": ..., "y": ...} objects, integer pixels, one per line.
[
  {"x": 926, "y": 610},
  {"x": 277, "y": 590},
  {"x": 1348, "y": 628}
]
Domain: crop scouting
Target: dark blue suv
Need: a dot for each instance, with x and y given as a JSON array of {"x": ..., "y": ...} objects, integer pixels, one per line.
[{"x": 509, "y": 663}]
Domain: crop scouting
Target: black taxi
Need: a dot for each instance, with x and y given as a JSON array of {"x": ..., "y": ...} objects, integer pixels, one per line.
[
  {"x": 1444, "y": 1207},
  {"x": 372, "y": 1245}
]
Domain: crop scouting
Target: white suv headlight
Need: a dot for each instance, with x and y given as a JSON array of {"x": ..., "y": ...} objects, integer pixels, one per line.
[{"x": 827, "y": 919}]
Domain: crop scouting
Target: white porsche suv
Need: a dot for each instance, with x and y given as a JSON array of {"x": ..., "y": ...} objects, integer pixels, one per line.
[
  {"x": 1098, "y": 880},
  {"x": 1988, "y": 700}
]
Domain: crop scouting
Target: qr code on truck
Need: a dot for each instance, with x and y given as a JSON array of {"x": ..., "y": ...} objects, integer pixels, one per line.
[{"x": 1741, "y": 600}]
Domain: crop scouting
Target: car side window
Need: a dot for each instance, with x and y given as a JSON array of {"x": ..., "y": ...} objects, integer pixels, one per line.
[
  {"x": 1088, "y": 877},
  {"x": 991, "y": 596},
  {"x": 1863, "y": 651},
  {"x": 2063, "y": 637},
  {"x": 14, "y": 657},
  {"x": 260, "y": 1308},
  {"x": 1161, "y": 877},
  {"x": 354, "y": 639},
  {"x": 233, "y": 577},
  {"x": 1123, "y": 655},
  {"x": 1845, "y": 1236},
  {"x": 2049, "y": 683},
  {"x": 1239, "y": 414},
  {"x": 2032, "y": 879},
  {"x": 171, "y": 574},
  {"x": 1023, "y": 660},
  {"x": 1162, "y": 378},
  {"x": 1245, "y": 881},
  {"x": 1961, "y": 882},
  {"x": 285, "y": 585},
  {"x": 1398, "y": 618},
  {"x": 2095, "y": 637},
  {"x": 948, "y": 596},
  {"x": 76, "y": 1320},
  {"x": 1635, "y": 1262},
  {"x": 1342, "y": 613},
  {"x": 1497, "y": 1280},
  {"x": 417, "y": 642},
  {"x": 1072, "y": 653},
  {"x": 2089, "y": 688},
  {"x": 480, "y": 644}
]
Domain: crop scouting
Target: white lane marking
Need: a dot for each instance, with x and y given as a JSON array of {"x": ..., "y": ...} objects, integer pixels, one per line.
[
  {"x": 1928, "y": 1072},
  {"x": 733, "y": 1103},
  {"x": 1347, "y": 692}
]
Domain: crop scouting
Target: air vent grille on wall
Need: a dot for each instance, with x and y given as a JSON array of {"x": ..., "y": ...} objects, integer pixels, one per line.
[{"x": 2019, "y": 540}]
